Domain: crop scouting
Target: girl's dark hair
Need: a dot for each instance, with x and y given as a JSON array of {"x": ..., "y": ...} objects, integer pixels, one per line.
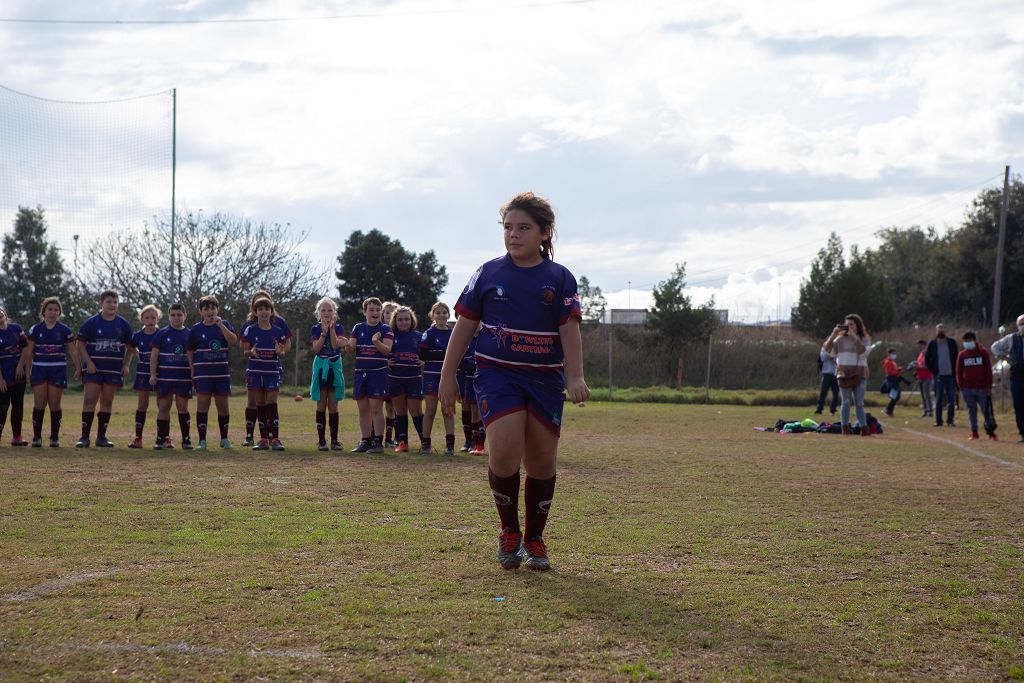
[
  {"x": 263, "y": 302},
  {"x": 50, "y": 300},
  {"x": 256, "y": 296},
  {"x": 539, "y": 209},
  {"x": 862, "y": 330}
]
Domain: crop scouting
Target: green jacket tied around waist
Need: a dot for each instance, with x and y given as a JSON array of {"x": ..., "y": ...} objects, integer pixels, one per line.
[{"x": 321, "y": 367}]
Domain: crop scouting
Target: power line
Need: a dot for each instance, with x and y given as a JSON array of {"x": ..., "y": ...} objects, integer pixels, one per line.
[{"x": 293, "y": 19}]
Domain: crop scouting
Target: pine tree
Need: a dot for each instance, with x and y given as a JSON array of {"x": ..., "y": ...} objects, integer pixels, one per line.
[{"x": 31, "y": 265}]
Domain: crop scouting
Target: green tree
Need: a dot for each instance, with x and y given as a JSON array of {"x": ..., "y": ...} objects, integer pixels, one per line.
[
  {"x": 32, "y": 267},
  {"x": 834, "y": 288},
  {"x": 906, "y": 258},
  {"x": 674, "y": 318},
  {"x": 592, "y": 301},
  {"x": 373, "y": 264}
]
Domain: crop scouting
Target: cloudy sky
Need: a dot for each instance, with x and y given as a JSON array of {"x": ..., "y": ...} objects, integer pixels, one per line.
[{"x": 730, "y": 136}]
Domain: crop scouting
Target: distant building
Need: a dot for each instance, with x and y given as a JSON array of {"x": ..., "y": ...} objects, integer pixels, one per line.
[
  {"x": 627, "y": 316},
  {"x": 638, "y": 316}
]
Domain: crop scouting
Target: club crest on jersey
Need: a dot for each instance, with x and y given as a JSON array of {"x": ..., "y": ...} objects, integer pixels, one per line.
[
  {"x": 215, "y": 345},
  {"x": 500, "y": 335},
  {"x": 547, "y": 294},
  {"x": 500, "y": 293},
  {"x": 179, "y": 349}
]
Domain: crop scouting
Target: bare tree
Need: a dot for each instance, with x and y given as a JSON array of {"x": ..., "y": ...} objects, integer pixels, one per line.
[{"x": 220, "y": 254}]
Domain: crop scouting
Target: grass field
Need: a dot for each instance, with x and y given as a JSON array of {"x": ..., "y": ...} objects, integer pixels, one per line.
[{"x": 685, "y": 546}]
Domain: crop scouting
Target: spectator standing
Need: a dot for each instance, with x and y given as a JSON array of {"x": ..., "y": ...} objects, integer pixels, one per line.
[
  {"x": 940, "y": 359},
  {"x": 850, "y": 343},
  {"x": 1011, "y": 347},
  {"x": 974, "y": 378},
  {"x": 827, "y": 364},
  {"x": 925, "y": 381}
]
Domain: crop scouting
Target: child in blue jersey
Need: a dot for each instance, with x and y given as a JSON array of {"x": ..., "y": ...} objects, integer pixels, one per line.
[
  {"x": 13, "y": 360},
  {"x": 405, "y": 377},
  {"x": 472, "y": 426},
  {"x": 371, "y": 342},
  {"x": 528, "y": 354},
  {"x": 171, "y": 375},
  {"x": 50, "y": 344},
  {"x": 251, "y": 411},
  {"x": 433, "y": 344},
  {"x": 387, "y": 309},
  {"x": 327, "y": 385},
  {"x": 263, "y": 344},
  {"x": 208, "y": 344},
  {"x": 104, "y": 344},
  {"x": 142, "y": 341}
]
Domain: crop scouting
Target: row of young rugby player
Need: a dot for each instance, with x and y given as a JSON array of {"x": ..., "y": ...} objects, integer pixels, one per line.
[{"x": 176, "y": 361}]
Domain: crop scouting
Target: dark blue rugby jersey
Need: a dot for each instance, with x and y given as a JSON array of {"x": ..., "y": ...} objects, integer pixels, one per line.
[
  {"x": 105, "y": 342},
  {"x": 172, "y": 361},
  {"x": 265, "y": 343},
  {"x": 209, "y": 351},
  {"x": 367, "y": 355},
  {"x": 143, "y": 344},
  {"x": 326, "y": 351},
  {"x": 49, "y": 351},
  {"x": 405, "y": 355},
  {"x": 433, "y": 344},
  {"x": 12, "y": 341},
  {"x": 519, "y": 310}
]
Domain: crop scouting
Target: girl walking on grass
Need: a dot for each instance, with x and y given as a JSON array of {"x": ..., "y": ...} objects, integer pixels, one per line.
[{"x": 529, "y": 354}]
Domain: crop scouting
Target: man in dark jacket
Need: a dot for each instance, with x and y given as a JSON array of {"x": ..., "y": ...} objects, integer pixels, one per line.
[
  {"x": 1011, "y": 347},
  {"x": 940, "y": 358}
]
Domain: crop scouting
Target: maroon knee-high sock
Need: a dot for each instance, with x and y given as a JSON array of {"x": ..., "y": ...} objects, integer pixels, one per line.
[
  {"x": 185, "y": 424},
  {"x": 333, "y": 418},
  {"x": 37, "y": 422},
  {"x": 87, "y": 418},
  {"x": 56, "y": 417},
  {"x": 538, "y": 494},
  {"x": 321, "y": 425},
  {"x": 251, "y": 415},
  {"x": 102, "y": 420},
  {"x": 261, "y": 420},
  {"x": 506, "y": 497},
  {"x": 273, "y": 421}
]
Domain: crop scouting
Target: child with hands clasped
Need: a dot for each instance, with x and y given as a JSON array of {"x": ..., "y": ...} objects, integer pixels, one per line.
[
  {"x": 371, "y": 341},
  {"x": 433, "y": 344},
  {"x": 50, "y": 344},
  {"x": 327, "y": 385},
  {"x": 529, "y": 352},
  {"x": 405, "y": 377},
  {"x": 208, "y": 344},
  {"x": 104, "y": 343},
  {"x": 142, "y": 342},
  {"x": 263, "y": 344},
  {"x": 170, "y": 373}
]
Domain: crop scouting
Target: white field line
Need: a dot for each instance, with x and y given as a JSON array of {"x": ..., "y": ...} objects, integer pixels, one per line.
[
  {"x": 178, "y": 648},
  {"x": 54, "y": 586},
  {"x": 967, "y": 449}
]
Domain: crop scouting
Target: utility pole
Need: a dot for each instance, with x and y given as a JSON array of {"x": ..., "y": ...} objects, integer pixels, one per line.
[
  {"x": 174, "y": 284},
  {"x": 998, "y": 286}
]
